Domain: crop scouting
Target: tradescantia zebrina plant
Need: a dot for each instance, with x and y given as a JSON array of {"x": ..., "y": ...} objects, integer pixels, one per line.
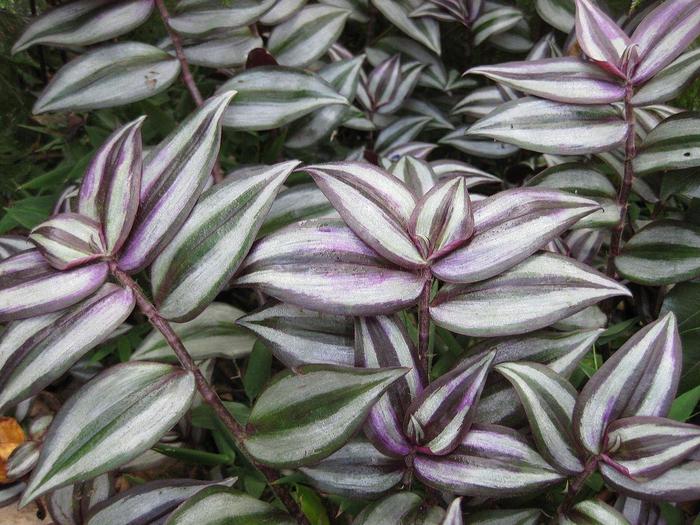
[{"x": 327, "y": 279}]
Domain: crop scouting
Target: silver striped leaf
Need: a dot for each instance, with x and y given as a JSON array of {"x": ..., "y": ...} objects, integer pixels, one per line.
[
  {"x": 480, "y": 102},
  {"x": 12, "y": 245},
  {"x": 68, "y": 240},
  {"x": 592, "y": 512},
  {"x": 109, "y": 76},
  {"x": 211, "y": 244},
  {"x": 476, "y": 146},
  {"x": 272, "y": 96},
  {"x": 671, "y": 81},
  {"x": 400, "y": 132},
  {"x": 174, "y": 174},
  {"x": 280, "y": 12},
  {"x": 678, "y": 484},
  {"x": 639, "y": 512},
  {"x": 223, "y": 49},
  {"x": 322, "y": 265},
  {"x": 29, "y": 286},
  {"x": 494, "y": 22},
  {"x": 539, "y": 291},
  {"x": 301, "y": 419},
  {"x": 94, "y": 430},
  {"x": 557, "y": 13},
  {"x": 298, "y": 336},
  {"x": 213, "y": 333},
  {"x": 454, "y": 168},
  {"x": 415, "y": 173},
  {"x": 392, "y": 509},
  {"x": 82, "y": 23},
  {"x": 433, "y": 76},
  {"x": 423, "y": 30},
  {"x": 640, "y": 379},
  {"x": 37, "y": 351},
  {"x": 195, "y": 17},
  {"x": 504, "y": 517},
  {"x": 672, "y": 145},
  {"x": 296, "y": 203}
]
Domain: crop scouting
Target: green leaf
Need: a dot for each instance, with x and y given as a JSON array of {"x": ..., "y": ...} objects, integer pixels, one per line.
[
  {"x": 684, "y": 405},
  {"x": 258, "y": 370},
  {"x": 312, "y": 505},
  {"x": 684, "y": 301}
]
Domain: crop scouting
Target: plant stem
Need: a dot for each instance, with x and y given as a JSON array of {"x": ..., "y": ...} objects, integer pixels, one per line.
[
  {"x": 626, "y": 185},
  {"x": 205, "y": 389},
  {"x": 187, "y": 77},
  {"x": 424, "y": 324},
  {"x": 577, "y": 484}
]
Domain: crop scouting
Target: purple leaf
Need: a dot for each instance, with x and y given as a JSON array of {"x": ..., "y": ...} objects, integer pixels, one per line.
[
  {"x": 322, "y": 265},
  {"x": 415, "y": 173},
  {"x": 441, "y": 415},
  {"x": 664, "y": 34},
  {"x": 640, "y": 379},
  {"x": 454, "y": 513},
  {"x": 599, "y": 37},
  {"x": 536, "y": 293},
  {"x": 443, "y": 219},
  {"x": 174, "y": 174},
  {"x": 566, "y": 79},
  {"x": 593, "y": 511},
  {"x": 509, "y": 227},
  {"x": 109, "y": 194},
  {"x": 376, "y": 205},
  {"x": 491, "y": 461},
  {"x": 30, "y": 287},
  {"x": 671, "y": 81},
  {"x": 678, "y": 484},
  {"x": 12, "y": 245},
  {"x": 69, "y": 240},
  {"x": 639, "y": 512},
  {"x": 382, "y": 342}
]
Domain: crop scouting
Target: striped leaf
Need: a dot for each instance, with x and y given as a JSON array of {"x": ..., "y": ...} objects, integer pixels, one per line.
[
  {"x": 220, "y": 50},
  {"x": 195, "y": 17},
  {"x": 213, "y": 333},
  {"x": 148, "y": 502},
  {"x": 109, "y": 193},
  {"x": 494, "y": 22},
  {"x": 443, "y": 219},
  {"x": 13, "y": 244},
  {"x": 557, "y": 13},
  {"x": 480, "y": 102},
  {"x": 663, "y": 252},
  {"x": 454, "y": 168},
  {"x": 174, "y": 174},
  {"x": 272, "y": 96},
  {"x": 678, "y": 484},
  {"x": 281, "y": 11},
  {"x": 427, "y": 109},
  {"x": 419, "y": 150},
  {"x": 441, "y": 415},
  {"x": 396, "y": 508},
  {"x": 592, "y": 512},
  {"x": 639, "y": 379},
  {"x": 374, "y": 204},
  {"x": 647, "y": 446},
  {"x": 212, "y": 243},
  {"x": 68, "y": 240},
  {"x": 552, "y": 127},
  {"x": 543, "y": 289},
  {"x": 299, "y": 202},
  {"x": 672, "y": 145},
  {"x": 82, "y": 23},
  {"x": 300, "y": 419},
  {"x": 509, "y": 227},
  {"x": 297, "y": 336},
  {"x": 423, "y": 30},
  {"x": 671, "y": 81},
  {"x": 476, "y": 146},
  {"x": 225, "y": 505},
  {"x": 382, "y": 342},
  {"x": 400, "y": 132},
  {"x": 109, "y": 76},
  {"x": 29, "y": 286},
  {"x": 307, "y": 35},
  {"x": 453, "y": 516},
  {"x": 94, "y": 430},
  {"x": 70, "y": 505},
  {"x": 664, "y": 34},
  {"x": 591, "y": 318},
  {"x": 415, "y": 173},
  {"x": 491, "y": 461},
  {"x": 639, "y": 512},
  {"x": 434, "y": 75},
  {"x": 344, "y": 77},
  {"x": 358, "y": 470},
  {"x": 548, "y": 399},
  {"x": 322, "y": 265},
  {"x": 37, "y": 351},
  {"x": 504, "y": 517}
]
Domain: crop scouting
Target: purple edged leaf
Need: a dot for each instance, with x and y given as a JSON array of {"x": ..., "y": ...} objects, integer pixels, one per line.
[
  {"x": 29, "y": 286},
  {"x": 648, "y": 446},
  {"x": 174, "y": 174},
  {"x": 453, "y": 516},
  {"x": 678, "y": 484},
  {"x": 298, "y": 336},
  {"x": 441, "y": 415},
  {"x": 13, "y": 244},
  {"x": 639, "y": 379},
  {"x": 37, "y": 351},
  {"x": 419, "y": 150},
  {"x": 601, "y": 38},
  {"x": 415, "y": 173},
  {"x": 454, "y": 168},
  {"x": 671, "y": 81},
  {"x": 553, "y": 127},
  {"x": 109, "y": 193},
  {"x": 543, "y": 289},
  {"x": 383, "y": 82},
  {"x": 491, "y": 461},
  {"x": 395, "y": 508},
  {"x": 639, "y": 512},
  {"x": 548, "y": 399},
  {"x": 212, "y": 243},
  {"x": 509, "y": 227},
  {"x": 322, "y": 265},
  {"x": 480, "y": 102},
  {"x": 566, "y": 79},
  {"x": 358, "y": 470},
  {"x": 592, "y": 512},
  {"x": 69, "y": 240},
  {"x": 664, "y": 34},
  {"x": 376, "y": 205},
  {"x": 382, "y": 342},
  {"x": 443, "y": 219}
]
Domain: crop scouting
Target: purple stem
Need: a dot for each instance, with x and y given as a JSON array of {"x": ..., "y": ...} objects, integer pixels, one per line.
[
  {"x": 577, "y": 484},
  {"x": 424, "y": 324},
  {"x": 628, "y": 177},
  {"x": 206, "y": 391}
]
